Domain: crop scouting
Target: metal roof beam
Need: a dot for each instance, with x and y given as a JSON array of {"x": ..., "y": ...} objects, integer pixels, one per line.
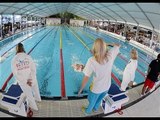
[
  {"x": 145, "y": 15},
  {"x": 97, "y": 14},
  {"x": 103, "y": 12},
  {"x": 114, "y": 12},
  {"x": 21, "y": 8},
  {"x": 128, "y": 13}
]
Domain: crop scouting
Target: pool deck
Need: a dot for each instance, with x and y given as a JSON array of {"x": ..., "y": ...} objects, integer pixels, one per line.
[{"x": 147, "y": 106}]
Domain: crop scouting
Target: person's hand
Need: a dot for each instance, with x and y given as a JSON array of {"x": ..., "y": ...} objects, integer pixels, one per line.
[
  {"x": 79, "y": 93},
  {"x": 29, "y": 82}
]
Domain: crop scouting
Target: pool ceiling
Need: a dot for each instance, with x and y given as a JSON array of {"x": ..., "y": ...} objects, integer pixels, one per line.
[{"x": 143, "y": 14}]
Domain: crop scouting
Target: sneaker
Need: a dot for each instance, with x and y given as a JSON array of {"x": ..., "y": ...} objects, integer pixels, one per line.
[
  {"x": 130, "y": 87},
  {"x": 121, "y": 90},
  {"x": 84, "y": 110},
  {"x": 142, "y": 95},
  {"x": 95, "y": 111}
]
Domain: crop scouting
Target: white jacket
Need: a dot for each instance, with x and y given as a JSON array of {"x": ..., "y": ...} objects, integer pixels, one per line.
[
  {"x": 130, "y": 69},
  {"x": 23, "y": 68}
]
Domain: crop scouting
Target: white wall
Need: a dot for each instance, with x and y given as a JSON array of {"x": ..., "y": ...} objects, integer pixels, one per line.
[
  {"x": 77, "y": 22},
  {"x": 52, "y": 21}
]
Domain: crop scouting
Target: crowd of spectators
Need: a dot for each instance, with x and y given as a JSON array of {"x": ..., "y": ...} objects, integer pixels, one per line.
[
  {"x": 8, "y": 30},
  {"x": 143, "y": 36}
]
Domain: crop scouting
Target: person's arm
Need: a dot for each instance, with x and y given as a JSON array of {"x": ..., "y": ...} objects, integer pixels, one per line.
[
  {"x": 84, "y": 82},
  {"x": 149, "y": 69},
  {"x": 112, "y": 44},
  {"x": 87, "y": 72},
  {"x": 114, "y": 50}
]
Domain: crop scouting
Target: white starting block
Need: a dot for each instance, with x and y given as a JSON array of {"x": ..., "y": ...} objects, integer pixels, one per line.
[
  {"x": 114, "y": 100},
  {"x": 15, "y": 100}
]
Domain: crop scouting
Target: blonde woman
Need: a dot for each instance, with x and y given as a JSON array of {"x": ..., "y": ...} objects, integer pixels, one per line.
[
  {"x": 100, "y": 66},
  {"x": 129, "y": 71}
]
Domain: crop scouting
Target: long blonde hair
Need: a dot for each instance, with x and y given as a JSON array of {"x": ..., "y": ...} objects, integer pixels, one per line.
[
  {"x": 134, "y": 54},
  {"x": 100, "y": 51}
]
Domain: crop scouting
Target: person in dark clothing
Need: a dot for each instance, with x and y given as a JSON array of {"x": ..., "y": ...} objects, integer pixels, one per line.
[
  {"x": 3, "y": 32},
  {"x": 152, "y": 75}
]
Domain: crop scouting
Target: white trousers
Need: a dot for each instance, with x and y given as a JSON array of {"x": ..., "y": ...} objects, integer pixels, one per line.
[
  {"x": 32, "y": 94},
  {"x": 126, "y": 79}
]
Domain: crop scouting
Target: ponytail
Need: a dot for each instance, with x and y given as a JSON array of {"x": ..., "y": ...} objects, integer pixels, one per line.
[{"x": 19, "y": 48}]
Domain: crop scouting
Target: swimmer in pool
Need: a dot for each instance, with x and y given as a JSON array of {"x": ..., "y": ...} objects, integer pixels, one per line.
[{"x": 78, "y": 67}]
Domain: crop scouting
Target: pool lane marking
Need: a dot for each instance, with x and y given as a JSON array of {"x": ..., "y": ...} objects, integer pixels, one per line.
[
  {"x": 63, "y": 91},
  {"x": 113, "y": 76},
  {"x": 21, "y": 41},
  {"x": 11, "y": 75},
  {"x": 118, "y": 55},
  {"x": 80, "y": 40}
]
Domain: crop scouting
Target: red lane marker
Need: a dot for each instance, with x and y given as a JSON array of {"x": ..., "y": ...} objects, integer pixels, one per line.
[
  {"x": 144, "y": 61},
  {"x": 63, "y": 92},
  {"x": 8, "y": 79},
  {"x": 116, "y": 79}
]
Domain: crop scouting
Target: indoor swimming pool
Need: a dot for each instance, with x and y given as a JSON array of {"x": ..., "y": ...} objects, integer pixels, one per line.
[{"x": 54, "y": 50}]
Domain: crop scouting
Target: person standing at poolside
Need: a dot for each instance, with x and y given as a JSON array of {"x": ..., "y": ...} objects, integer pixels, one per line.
[
  {"x": 152, "y": 75},
  {"x": 100, "y": 66},
  {"x": 24, "y": 71},
  {"x": 129, "y": 71}
]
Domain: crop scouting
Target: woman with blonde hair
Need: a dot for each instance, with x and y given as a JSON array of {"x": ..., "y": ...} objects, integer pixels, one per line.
[
  {"x": 100, "y": 66},
  {"x": 129, "y": 71}
]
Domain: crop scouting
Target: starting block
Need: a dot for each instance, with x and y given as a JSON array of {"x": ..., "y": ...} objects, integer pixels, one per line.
[
  {"x": 15, "y": 100},
  {"x": 114, "y": 100}
]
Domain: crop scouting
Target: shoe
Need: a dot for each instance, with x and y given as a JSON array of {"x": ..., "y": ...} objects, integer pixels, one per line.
[
  {"x": 142, "y": 95},
  {"x": 95, "y": 111},
  {"x": 121, "y": 90},
  {"x": 130, "y": 87},
  {"x": 84, "y": 110}
]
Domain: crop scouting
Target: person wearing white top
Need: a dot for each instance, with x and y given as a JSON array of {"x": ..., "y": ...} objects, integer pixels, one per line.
[
  {"x": 129, "y": 71},
  {"x": 24, "y": 71},
  {"x": 100, "y": 66}
]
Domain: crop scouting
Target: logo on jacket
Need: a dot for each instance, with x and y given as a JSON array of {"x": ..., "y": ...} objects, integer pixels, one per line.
[{"x": 22, "y": 64}]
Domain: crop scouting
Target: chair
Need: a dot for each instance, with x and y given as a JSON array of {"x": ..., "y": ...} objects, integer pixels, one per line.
[{"x": 15, "y": 100}]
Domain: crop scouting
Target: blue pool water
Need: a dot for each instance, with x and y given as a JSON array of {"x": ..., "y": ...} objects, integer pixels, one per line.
[{"x": 46, "y": 54}]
